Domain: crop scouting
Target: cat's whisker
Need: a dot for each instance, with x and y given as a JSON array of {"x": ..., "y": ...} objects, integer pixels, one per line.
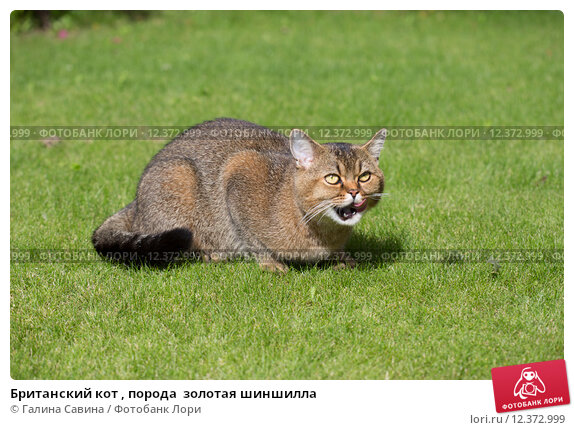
[
  {"x": 324, "y": 212},
  {"x": 319, "y": 206},
  {"x": 313, "y": 209},
  {"x": 316, "y": 210},
  {"x": 377, "y": 196},
  {"x": 309, "y": 214},
  {"x": 313, "y": 214}
]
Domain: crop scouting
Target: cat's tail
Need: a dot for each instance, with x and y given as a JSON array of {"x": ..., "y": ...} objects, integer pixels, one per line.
[{"x": 115, "y": 241}]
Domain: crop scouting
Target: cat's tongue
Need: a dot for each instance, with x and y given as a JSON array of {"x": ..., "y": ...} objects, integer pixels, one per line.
[{"x": 361, "y": 206}]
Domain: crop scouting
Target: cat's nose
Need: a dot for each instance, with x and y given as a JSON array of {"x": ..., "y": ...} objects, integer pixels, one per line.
[{"x": 353, "y": 193}]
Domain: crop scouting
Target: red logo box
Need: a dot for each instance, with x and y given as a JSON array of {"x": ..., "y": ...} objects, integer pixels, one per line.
[{"x": 529, "y": 386}]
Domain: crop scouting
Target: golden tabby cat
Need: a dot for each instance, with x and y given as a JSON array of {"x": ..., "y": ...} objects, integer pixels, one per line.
[{"x": 228, "y": 186}]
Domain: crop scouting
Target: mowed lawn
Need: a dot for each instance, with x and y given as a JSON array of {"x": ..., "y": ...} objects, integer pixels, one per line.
[{"x": 385, "y": 319}]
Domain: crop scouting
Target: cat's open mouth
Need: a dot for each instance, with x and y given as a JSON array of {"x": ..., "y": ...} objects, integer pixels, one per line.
[{"x": 348, "y": 212}]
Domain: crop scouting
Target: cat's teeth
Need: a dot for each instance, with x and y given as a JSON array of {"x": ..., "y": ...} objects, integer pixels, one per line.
[{"x": 348, "y": 212}]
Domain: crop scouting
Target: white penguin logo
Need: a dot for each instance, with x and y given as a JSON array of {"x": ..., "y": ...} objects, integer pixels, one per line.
[{"x": 529, "y": 384}]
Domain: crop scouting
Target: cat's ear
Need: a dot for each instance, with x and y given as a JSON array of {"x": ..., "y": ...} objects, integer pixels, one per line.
[
  {"x": 303, "y": 148},
  {"x": 375, "y": 145}
]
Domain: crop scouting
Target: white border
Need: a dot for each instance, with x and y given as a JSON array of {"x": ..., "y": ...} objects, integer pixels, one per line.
[{"x": 340, "y": 404}]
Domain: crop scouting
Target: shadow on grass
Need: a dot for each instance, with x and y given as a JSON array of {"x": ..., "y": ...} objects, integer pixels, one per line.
[{"x": 376, "y": 250}]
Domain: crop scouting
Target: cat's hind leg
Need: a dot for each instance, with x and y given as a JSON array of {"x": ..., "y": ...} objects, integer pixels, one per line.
[{"x": 166, "y": 206}]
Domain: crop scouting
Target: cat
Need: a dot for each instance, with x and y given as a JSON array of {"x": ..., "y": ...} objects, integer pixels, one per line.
[{"x": 228, "y": 187}]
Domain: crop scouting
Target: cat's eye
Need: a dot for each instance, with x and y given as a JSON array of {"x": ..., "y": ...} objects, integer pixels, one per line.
[
  {"x": 332, "y": 179},
  {"x": 365, "y": 177}
]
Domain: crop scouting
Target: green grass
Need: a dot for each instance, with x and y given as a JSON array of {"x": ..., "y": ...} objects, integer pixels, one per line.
[{"x": 382, "y": 320}]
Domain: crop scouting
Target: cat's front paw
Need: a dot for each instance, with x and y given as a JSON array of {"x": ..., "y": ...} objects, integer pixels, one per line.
[
  {"x": 347, "y": 263},
  {"x": 273, "y": 266},
  {"x": 212, "y": 257}
]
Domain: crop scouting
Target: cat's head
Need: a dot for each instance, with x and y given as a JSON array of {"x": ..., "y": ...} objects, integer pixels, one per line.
[{"x": 337, "y": 182}]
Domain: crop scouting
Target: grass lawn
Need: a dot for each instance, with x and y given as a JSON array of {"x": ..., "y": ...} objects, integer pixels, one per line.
[{"x": 384, "y": 319}]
